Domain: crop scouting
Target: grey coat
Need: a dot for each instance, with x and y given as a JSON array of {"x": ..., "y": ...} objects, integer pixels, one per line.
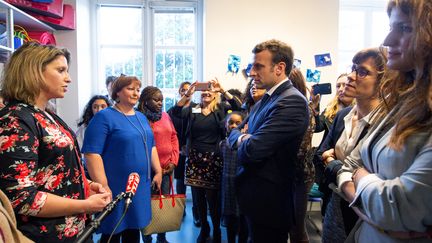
[{"x": 397, "y": 195}]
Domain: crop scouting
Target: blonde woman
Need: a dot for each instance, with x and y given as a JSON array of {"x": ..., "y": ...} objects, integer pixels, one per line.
[
  {"x": 204, "y": 163},
  {"x": 339, "y": 101}
]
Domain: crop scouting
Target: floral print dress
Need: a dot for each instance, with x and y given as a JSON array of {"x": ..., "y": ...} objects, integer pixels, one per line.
[{"x": 38, "y": 155}]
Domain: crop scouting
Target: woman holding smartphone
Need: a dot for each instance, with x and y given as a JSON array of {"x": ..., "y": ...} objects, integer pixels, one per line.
[{"x": 204, "y": 165}]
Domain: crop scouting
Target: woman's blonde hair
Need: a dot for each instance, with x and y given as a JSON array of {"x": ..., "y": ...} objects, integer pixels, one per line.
[
  {"x": 410, "y": 91},
  {"x": 23, "y": 76},
  {"x": 333, "y": 107},
  {"x": 213, "y": 106}
]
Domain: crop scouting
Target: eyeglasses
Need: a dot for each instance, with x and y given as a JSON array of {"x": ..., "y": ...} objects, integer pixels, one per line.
[{"x": 361, "y": 71}]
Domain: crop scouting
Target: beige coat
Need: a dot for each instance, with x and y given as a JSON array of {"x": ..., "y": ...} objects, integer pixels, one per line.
[{"x": 8, "y": 228}]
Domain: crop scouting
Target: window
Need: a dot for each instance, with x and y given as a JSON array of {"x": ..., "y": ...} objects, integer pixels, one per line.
[
  {"x": 174, "y": 50},
  {"x": 362, "y": 24},
  {"x": 121, "y": 45},
  {"x": 160, "y": 42}
]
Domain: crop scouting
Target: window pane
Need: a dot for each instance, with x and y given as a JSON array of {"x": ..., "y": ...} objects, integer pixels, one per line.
[
  {"x": 115, "y": 61},
  {"x": 380, "y": 27},
  {"x": 173, "y": 67},
  {"x": 351, "y": 30},
  {"x": 169, "y": 100},
  {"x": 120, "y": 25},
  {"x": 174, "y": 29},
  {"x": 345, "y": 60}
]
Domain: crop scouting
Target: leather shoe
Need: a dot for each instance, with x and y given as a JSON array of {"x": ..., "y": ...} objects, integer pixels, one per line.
[
  {"x": 217, "y": 235},
  {"x": 204, "y": 234}
]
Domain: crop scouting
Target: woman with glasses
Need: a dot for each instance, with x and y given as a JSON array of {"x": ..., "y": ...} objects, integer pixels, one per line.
[
  {"x": 389, "y": 178},
  {"x": 349, "y": 127}
]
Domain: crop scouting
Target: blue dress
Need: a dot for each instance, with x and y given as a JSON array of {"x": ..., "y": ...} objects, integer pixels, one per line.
[{"x": 120, "y": 140}]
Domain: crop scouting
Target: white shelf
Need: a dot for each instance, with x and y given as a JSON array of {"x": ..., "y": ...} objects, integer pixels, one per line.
[{"x": 23, "y": 19}]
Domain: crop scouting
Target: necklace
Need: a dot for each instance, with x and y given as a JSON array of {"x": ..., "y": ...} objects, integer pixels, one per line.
[{"x": 143, "y": 135}]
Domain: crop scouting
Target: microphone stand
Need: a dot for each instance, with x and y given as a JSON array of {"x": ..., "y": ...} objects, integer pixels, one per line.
[{"x": 94, "y": 225}]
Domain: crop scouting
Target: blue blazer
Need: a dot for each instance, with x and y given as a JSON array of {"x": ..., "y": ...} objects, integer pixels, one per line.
[{"x": 267, "y": 160}]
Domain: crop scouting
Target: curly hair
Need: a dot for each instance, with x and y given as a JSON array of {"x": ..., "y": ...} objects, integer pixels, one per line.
[
  {"x": 88, "y": 111},
  {"x": 410, "y": 91},
  {"x": 146, "y": 95}
]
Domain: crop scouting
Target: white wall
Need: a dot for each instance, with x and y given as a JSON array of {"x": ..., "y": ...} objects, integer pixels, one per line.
[
  {"x": 235, "y": 27},
  {"x": 230, "y": 27},
  {"x": 79, "y": 44}
]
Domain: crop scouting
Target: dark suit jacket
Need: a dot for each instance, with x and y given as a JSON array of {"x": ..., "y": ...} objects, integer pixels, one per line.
[{"x": 268, "y": 158}]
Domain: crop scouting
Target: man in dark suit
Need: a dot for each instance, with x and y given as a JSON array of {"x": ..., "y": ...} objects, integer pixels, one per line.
[{"x": 267, "y": 151}]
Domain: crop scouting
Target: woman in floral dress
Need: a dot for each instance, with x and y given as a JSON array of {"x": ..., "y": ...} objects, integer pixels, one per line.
[{"x": 40, "y": 169}]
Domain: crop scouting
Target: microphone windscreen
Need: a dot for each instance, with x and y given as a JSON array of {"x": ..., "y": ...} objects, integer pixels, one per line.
[{"x": 132, "y": 183}]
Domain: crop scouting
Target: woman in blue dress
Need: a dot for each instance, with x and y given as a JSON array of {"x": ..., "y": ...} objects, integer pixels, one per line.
[{"x": 117, "y": 142}]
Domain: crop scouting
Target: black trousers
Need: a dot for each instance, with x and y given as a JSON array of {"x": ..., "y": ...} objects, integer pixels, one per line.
[
  {"x": 210, "y": 196},
  {"x": 129, "y": 236},
  {"x": 260, "y": 233}
]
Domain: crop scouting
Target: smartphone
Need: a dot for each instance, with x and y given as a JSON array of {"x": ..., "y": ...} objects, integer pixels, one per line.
[
  {"x": 202, "y": 86},
  {"x": 322, "y": 89}
]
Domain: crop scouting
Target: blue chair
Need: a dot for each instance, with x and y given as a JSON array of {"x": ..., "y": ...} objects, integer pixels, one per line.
[{"x": 314, "y": 196}]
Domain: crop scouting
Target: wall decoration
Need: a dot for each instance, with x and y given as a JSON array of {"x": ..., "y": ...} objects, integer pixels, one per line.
[
  {"x": 297, "y": 63},
  {"x": 234, "y": 64},
  {"x": 313, "y": 75},
  {"x": 322, "y": 60}
]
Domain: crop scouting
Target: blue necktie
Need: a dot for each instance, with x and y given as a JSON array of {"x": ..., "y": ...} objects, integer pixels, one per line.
[{"x": 264, "y": 101}]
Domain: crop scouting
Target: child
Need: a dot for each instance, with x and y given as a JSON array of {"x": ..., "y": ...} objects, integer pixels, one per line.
[{"x": 231, "y": 218}]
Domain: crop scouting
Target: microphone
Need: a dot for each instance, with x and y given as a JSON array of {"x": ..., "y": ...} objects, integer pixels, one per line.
[{"x": 131, "y": 188}]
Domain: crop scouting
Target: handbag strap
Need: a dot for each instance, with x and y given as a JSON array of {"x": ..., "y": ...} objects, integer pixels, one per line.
[
  {"x": 172, "y": 194},
  {"x": 172, "y": 191}
]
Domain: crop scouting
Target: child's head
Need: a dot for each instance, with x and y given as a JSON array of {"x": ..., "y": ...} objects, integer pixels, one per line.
[{"x": 233, "y": 120}]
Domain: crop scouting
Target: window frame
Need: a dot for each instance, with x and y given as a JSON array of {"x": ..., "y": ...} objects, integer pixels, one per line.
[
  {"x": 149, "y": 7},
  {"x": 368, "y": 8}
]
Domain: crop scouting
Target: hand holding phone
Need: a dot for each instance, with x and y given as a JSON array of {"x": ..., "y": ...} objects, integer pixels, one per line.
[{"x": 202, "y": 86}]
